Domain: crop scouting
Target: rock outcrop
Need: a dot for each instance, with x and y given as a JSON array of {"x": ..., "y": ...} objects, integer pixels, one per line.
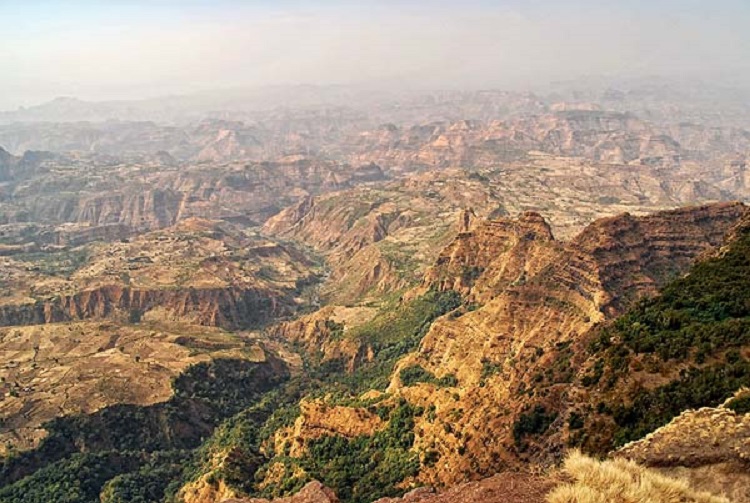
[
  {"x": 313, "y": 492},
  {"x": 492, "y": 256},
  {"x": 708, "y": 446},
  {"x": 229, "y": 308},
  {"x": 318, "y": 419},
  {"x": 501, "y": 488}
]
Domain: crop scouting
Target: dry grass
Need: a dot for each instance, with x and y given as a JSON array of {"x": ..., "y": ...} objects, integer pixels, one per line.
[{"x": 622, "y": 481}]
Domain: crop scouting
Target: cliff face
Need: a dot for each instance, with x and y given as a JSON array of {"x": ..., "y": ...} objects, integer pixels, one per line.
[
  {"x": 380, "y": 240},
  {"x": 524, "y": 331},
  {"x": 148, "y": 192},
  {"x": 150, "y": 209},
  {"x": 321, "y": 334},
  {"x": 229, "y": 308},
  {"x": 532, "y": 300},
  {"x": 203, "y": 272},
  {"x": 634, "y": 256},
  {"x": 485, "y": 260},
  {"x": 318, "y": 419}
]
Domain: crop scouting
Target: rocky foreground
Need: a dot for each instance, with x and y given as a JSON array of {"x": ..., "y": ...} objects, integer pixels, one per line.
[{"x": 505, "y": 487}]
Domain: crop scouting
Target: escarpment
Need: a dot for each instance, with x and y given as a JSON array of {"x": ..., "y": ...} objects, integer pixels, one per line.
[
  {"x": 492, "y": 256},
  {"x": 517, "y": 352},
  {"x": 419, "y": 297},
  {"x": 380, "y": 240},
  {"x": 610, "y": 263},
  {"x": 496, "y": 373},
  {"x": 637, "y": 255},
  {"x": 230, "y": 308},
  {"x": 494, "y": 379},
  {"x": 152, "y": 209},
  {"x": 200, "y": 271}
]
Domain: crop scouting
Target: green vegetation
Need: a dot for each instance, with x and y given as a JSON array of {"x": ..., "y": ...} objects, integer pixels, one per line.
[
  {"x": 575, "y": 421},
  {"x": 695, "y": 317},
  {"x": 378, "y": 462},
  {"x": 363, "y": 468},
  {"x": 150, "y": 483},
  {"x": 416, "y": 374},
  {"x": 56, "y": 263},
  {"x": 532, "y": 423},
  {"x": 237, "y": 441},
  {"x": 77, "y": 479},
  {"x": 469, "y": 274},
  {"x": 740, "y": 404},
  {"x": 228, "y": 409},
  {"x": 490, "y": 368},
  {"x": 699, "y": 322},
  {"x": 401, "y": 257},
  {"x": 698, "y": 387},
  {"x": 391, "y": 334},
  {"x": 203, "y": 396}
]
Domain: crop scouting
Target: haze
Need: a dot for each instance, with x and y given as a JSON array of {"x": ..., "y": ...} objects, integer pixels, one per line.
[{"x": 137, "y": 49}]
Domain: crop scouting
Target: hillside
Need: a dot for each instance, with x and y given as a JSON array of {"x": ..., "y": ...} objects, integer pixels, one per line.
[
  {"x": 490, "y": 376},
  {"x": 512, "y": 348},
  {"x": 415, "y": 297}
]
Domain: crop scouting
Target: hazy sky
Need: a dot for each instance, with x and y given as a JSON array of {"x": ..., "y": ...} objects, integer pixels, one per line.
[{"x": 112, "y": 49}]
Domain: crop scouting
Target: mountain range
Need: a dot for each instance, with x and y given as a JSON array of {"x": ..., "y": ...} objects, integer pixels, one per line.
[{"x": 330, "y": 295}]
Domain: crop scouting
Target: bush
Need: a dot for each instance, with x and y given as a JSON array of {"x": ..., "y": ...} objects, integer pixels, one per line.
[
  {"x": 366, "y": 468},
  {"x": 650, "y": 410},
  {"x": 702, "y": 321},
  {"x": 416, "y": 374},
  {"x": 204, "y": 395},
  {"x": 741, "y": 404},
  {"x": 533, "y": 423},
  {"x": 391, "y": 334},
  {"x": 77, "y": 479}
]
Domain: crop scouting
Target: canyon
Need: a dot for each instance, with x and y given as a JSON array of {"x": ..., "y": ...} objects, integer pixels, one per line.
[{"x": 400, "y": 298}]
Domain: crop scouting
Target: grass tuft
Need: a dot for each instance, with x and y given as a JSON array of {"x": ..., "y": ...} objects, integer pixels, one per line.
[{"x": 622, "y": 481}]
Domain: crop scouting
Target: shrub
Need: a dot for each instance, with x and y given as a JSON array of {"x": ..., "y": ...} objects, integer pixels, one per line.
[
  {"x": 416, "y": 374},
  {"x": 366, "y": 468},
  {"x": 533, "y": 423}
]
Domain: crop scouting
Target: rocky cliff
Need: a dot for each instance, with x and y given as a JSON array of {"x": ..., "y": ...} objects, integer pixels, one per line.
[
  {"x": 524, "y": 334},
  {"x": 380, "y": 239},
  {"x": 204, "y": 272},
  {"x": 508, "y": 357},
  {"x": 229, "y": 308},
  {"x": 707, "y": 446}
]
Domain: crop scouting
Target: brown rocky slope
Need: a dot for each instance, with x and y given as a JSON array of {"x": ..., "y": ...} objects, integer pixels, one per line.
[
  {"x": 206, "y": 272},
  {"x": 533, "y": 299}
]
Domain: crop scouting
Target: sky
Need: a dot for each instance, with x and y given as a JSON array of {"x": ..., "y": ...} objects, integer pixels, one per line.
[{"x": 118, "y": 49}]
